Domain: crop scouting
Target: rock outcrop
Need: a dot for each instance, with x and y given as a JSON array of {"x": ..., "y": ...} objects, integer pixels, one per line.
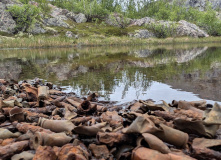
[
  {"x": 37, "y": 29},
  {"x": 55, "y": 22},
  {"x": 7, "y": 24},
  {"x": 64, "y": 14},
  {"x": 201, "y": 4},
  {"x": 182, "y": 28},
  {"x": 189, "y": 29}
]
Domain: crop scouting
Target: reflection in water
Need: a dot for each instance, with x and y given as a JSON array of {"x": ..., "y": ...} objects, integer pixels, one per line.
[{"x": 123, "y": 74}]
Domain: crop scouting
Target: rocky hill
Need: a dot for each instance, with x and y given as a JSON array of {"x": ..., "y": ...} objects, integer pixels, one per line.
[{"x": 63, "y": 18}]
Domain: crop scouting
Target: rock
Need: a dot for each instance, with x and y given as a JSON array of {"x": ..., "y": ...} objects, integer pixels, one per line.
[
  {"x": 69, "y": 34},
  {"x": 64, "y": 14},
  {"x": 118, "y": 20},
  {"x": 142, "y": 21},
  {"x": 51, "y": 30},
  {"x": 80, "y": 18},
  {"x": 201, "y": 4},
  {"x": 58, "y": 13},
  {"x": 189, "y": 29},
  {"x": 183, "y": 28},
  {"x": 70, "y": 15},
  {"x": 37, "y": 29},
  {"x": 55, "y": 22},
  {"x": 7, "y": 24},
  {"x": 143, "y": 34}
]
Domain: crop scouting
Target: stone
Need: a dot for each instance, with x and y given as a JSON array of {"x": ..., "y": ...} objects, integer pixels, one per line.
[
  {"x": 189, "y": 29},
  {"x": 143, "y": 34},
  {"x": 80, "y": 18},
  {"x": 70, "y": 15},
  {"x": 7, "y": 24},
  {"x": 57, "y": 13},
  {"x": 55, "y": 22},
  {"x": 69, "y": 34},
  {"x": 37, "y": 29},
  {"x": 142, "y": 21}
]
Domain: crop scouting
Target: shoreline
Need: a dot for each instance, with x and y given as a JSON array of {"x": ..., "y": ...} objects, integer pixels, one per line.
[{"x": 42, "y": 42}]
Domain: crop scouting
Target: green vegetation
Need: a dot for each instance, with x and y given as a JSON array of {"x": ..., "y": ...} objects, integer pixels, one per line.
[
  {"x": 25, "y": 16},
  {"x": 96, "y": 10}
]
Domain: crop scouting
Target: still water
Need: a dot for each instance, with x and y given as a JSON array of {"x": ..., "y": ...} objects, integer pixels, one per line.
[{"x": 123, "y": 74}]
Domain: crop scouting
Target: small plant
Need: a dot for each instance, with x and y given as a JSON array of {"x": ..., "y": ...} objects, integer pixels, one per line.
[{"x": 25, "y": 16}]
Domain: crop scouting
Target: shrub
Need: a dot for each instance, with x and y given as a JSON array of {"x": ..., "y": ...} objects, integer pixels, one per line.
[
  {"x": 25, "y": 16},
  {"x": 162, "y": 30}
]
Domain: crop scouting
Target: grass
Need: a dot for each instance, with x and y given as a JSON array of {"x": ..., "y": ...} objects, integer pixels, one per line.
[
  {"x": 62, "y": 42},
  {"x": 94, "y": 34}
]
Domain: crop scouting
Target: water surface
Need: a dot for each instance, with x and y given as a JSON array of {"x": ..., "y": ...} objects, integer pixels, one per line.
[{"x": 123, "y": 74}]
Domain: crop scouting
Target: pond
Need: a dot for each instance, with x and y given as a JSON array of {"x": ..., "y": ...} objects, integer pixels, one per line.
[{"x": 123, "y": 74}]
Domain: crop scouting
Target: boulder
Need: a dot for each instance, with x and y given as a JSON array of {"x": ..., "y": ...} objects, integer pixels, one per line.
[
  {"x": 80, "y": 18},
  {"x": 189, "y": 29},
  {"x": 55, "y": 22},
  {"x": 7, "y": 24},
  {"x": 69, "y": 34}
]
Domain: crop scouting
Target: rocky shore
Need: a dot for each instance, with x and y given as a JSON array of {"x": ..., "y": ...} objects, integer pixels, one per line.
[{"x": 39, "y": 121}]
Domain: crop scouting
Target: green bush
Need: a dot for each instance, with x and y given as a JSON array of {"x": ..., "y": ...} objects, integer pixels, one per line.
[
  {"x": 162, "y": 31},
  {"x": 91, "y": 8},
  {"x": 25, "y": 16}
]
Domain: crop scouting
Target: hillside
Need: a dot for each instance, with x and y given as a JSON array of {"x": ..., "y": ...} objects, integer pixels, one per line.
[{"x": 159, "y": 19}]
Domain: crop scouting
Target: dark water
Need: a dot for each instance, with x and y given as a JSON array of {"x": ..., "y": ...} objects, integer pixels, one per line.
[{"x": 184, "y": 72}]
